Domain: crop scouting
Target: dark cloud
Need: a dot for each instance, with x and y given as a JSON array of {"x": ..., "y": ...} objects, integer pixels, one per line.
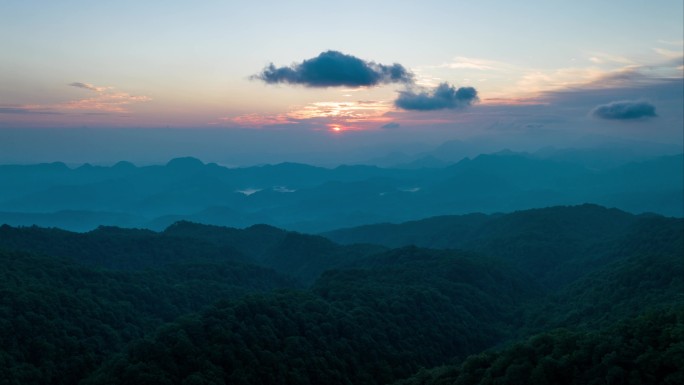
[
  {"x": 624, "y": 110},
  {"x": 391, "y": 125},
  {"x": 442, "y": 97},
  {"x": 24, "y": 110},
  {"x": 87, "y": 86},
  {"x": 14, "y": 110},
  {"x": 333, "y": 69}
]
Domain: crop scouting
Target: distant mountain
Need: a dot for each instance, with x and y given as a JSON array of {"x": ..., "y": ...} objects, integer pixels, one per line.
[
  {"x": 530, "y": 297},
  {"x": 215, "y": 215},
  {"x": 76, "y": 220},
  {"x": 314, "y": 199},
  {"x": 594, "y": 152},
  {"x": 428, "y": 161}
]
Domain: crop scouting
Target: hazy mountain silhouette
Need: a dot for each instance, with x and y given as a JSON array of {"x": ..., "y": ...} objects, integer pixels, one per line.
[{"x": 306, "y": 198}]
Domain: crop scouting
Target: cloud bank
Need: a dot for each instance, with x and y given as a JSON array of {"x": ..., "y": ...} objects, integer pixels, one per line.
[
  {"x": 444, "y": 96},
  {"x": 335, "y": 69},
  {"x": 624, "y": 110}
]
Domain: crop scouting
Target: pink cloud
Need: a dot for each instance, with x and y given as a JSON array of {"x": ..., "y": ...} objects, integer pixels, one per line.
[
  {"x": 256, "y": 120},
  {"x": 104, "y": 102}
]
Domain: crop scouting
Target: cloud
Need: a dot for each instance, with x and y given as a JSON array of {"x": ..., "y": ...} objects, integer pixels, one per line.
[
  {"x": 106, "y": 100},
  {"x": 14, "y": 110},
  {"x": 333, "y": 115},
  {"x": 462, "y": 62},
  {"x": 26, "y": 110},
  {"x": 335, "y": 69},
  {"x": 624, "y": 110},
  {"x": 257, "y": 120},
  {"x": 442, "y": 97},
  {"x": 88, "y": 86},
  {"x": 606, "y": 58},
  {"x": 670, "y": 54},
  {"x": 391, "y": 125},
  {"x": 623, "y": 84},
  {"x": 347, "y": 110}
]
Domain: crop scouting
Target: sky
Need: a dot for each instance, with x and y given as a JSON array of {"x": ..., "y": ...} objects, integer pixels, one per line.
[{"x": 264, "y": 81}]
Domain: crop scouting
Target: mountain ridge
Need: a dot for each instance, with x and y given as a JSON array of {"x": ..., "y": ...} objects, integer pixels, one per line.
[{"x": 315, "y": 199}]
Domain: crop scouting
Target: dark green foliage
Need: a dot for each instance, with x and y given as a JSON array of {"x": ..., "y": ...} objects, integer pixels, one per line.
[
  {"x": 59, "y": 320},
  {"x": 647, "y": 272},
  {"x": 556, "y": 245},
  {"x": 355, "y": 326},
  {"x": 114, "y": 248},
  {"x": 648, "y": 349},
  {"x": 299, "y": 255},
  {"x": 198, "y": 304}
]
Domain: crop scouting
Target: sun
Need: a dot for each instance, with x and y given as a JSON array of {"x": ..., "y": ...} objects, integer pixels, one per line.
[{"x": 335, "y": 128}]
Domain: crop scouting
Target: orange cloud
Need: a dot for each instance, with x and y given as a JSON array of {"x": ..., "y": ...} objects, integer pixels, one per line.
[
  {"x": 105, "y": 100},
  {"x": 335, "y": 116},
  {"x": 109, "y": 102},
  {"x": 257, "y": 120}
]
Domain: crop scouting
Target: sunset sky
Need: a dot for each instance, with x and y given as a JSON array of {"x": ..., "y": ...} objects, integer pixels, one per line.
[{"x": 215, "y": 77}]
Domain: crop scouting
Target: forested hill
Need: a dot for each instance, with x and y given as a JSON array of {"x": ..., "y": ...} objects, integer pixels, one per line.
[
  {"x": 300, "y": 256},
  {"x": 410, "y": 308},
  {"x": 356, "y": 326},
  {"x": 556, "y": 244},
  {"x": 454, "y": 231},
  {"x": 643, "y": 350},
  {"x": 197, "y": 304}
]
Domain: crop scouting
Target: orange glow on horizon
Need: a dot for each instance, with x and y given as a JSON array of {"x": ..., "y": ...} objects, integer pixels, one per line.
[
  {"x": 347, "y": 111},
  {"x": 336, "y": 116}
]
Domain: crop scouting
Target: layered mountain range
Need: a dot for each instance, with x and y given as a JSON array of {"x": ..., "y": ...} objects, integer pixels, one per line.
[{"x": 315, "y": 199}]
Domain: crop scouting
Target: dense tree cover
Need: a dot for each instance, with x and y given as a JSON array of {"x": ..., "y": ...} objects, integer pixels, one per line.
[
  {"x": 301, "y": 256},
  {"x": 196, "y": 304},
  {"x": 114, "y": 248},
  {"x": 647, "y": 272},
  {"x": 59, "y": 319},
  {"x": 356, "y": 326},
  {"x": 413, "y": 307},
  {"x": 648, "y": 349},
  {"x": 637, "y": 303},
  {"x": 556, "y": 244}
]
